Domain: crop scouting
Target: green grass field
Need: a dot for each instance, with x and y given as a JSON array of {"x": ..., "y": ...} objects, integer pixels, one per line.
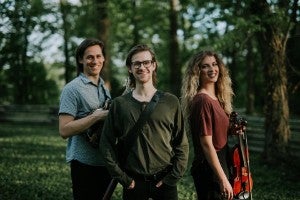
[{"x": 32, "y": 166}]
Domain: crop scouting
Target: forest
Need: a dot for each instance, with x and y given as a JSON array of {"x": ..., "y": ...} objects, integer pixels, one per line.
[{"x": 258, "y": 40}]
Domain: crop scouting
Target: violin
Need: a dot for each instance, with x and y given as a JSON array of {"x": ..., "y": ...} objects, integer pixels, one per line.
[{"x": 241, "y": 179}]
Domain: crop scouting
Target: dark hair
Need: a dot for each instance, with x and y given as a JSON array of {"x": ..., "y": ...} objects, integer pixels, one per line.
[
  {"x": 81, "y": 49},
  {"x": 137, "y": 49}
]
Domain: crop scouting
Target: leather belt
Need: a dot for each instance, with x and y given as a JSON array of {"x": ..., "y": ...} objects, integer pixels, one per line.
[{"x": 152, "y": 177}]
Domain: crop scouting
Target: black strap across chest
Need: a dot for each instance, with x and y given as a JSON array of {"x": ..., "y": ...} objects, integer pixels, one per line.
[{"x": 132, "y": 135}]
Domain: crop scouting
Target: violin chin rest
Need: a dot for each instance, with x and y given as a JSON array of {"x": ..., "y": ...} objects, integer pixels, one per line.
[{"x": 243, "y": 195}]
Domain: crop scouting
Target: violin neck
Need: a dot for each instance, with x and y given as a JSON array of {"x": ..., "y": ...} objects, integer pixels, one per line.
[{"x": 243, "y": 149}]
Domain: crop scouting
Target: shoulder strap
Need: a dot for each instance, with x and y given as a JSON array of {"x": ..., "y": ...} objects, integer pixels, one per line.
[
  {"x": 107, "y": 98},
  {"x": 135, "y": 130},
  {"x": 146, "y": 113}
]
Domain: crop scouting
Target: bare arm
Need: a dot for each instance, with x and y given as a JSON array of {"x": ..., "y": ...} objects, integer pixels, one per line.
[
  {"x": 68, "y": 126},
  {"x": 213, "y": 160}
]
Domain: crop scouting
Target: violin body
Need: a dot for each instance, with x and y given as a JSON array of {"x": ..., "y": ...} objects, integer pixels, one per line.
[{"x": 241, "y": 180}]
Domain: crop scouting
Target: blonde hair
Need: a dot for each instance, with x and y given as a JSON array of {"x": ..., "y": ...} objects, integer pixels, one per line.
[
  {"x": 128, "y": 86},
  {"x": 191, "y": 82}
]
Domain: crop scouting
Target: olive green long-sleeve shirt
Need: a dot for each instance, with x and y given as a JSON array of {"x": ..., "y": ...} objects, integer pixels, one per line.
[{"x": 162, "y": 141}]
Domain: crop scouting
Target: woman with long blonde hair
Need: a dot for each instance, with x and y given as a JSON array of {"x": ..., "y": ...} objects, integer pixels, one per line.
[{"x": 207, "y": 104}]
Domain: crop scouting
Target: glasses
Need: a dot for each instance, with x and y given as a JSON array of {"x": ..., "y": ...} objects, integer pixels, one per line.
[{"x": 138, "y": 64}]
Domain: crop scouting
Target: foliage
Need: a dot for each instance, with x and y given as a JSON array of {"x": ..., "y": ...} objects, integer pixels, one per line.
[
  {"x": 20, "y": 19},
  {"x": 45, "y": 90},
  {"x": 32, "y": 166},
  {"x": 240, "y": 31},
  {"x": 153, "y": 32},
  {"x": 223, "y": 26}
]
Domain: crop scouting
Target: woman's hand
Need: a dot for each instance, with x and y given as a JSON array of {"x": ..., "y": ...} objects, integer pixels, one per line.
[
  {"x": 226, "y": 189},
  {"x": 238, "y": 130},
  {"x": 237, "y": 124}
]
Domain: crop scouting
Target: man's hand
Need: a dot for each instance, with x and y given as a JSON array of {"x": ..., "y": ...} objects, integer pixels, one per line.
[
  {"x": 100, "y": 114},
  {"x": 132, "y": 185},
  {"x": 159, "y": 184}
]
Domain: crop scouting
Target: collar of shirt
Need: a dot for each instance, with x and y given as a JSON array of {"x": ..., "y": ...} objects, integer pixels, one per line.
[{"x": 85, "y": 79}]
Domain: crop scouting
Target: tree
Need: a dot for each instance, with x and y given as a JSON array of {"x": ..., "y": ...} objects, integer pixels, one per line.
[
  {"x": 175, "y": 68},
  {"x": 143, "y": 22},
  {"x": 275, "y": 26},
  {"x": 22, "y": 68},
  {"x": 20, "y": 19},
  {"x": 239, "y": 48},
  {"x": 65, "y": 8},
  {"x": 102, "y": 27},
  {"x": 91, "y": 20},
  {"x": 293, "y": 61},
  {"x": 135, "y": 23}
]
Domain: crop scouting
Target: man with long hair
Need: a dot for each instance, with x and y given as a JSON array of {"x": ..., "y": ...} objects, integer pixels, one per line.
[
  {"x": 157, "y": 158},
  {"x": 80, "y": 108}
]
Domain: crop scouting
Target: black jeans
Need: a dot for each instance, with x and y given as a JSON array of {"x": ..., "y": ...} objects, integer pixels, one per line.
[
  {"x": 144, "y": 190},
  {"x": 88, "y": 182}
]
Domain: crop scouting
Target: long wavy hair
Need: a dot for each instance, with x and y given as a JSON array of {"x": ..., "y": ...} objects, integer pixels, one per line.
[{"x": 191, "y": 82}]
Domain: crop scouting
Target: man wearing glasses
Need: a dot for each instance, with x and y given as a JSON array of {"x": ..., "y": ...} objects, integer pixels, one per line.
[{"x": 157, "y": 158}]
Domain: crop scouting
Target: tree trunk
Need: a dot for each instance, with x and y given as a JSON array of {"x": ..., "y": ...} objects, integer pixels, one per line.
[
  {"x": 276, "y": 107},
  {"x": 102, "y": 28},
  {"x": 175, "y": 72},
  {"x": 65, "y": 25},
  {"x": 19, "y": 40},
  {"x": 250, "y": 79},
  {"x": 273, "y": 41},
  {"x": 135, "y": 22}
]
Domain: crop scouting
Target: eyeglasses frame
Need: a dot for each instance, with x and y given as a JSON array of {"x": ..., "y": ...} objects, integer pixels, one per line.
[{"x": 138, "y": 64}]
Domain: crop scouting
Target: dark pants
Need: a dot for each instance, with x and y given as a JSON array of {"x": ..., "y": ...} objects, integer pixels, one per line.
[
  {"x": 144, "y": 190},
  {"x": 145, "y": 187},
  {"x": 206, "y": 182},
  {"x": 88, "y": 182}
]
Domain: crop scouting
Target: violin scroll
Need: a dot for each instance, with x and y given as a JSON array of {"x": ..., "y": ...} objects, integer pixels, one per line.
[{"x": 236, "y": 123}]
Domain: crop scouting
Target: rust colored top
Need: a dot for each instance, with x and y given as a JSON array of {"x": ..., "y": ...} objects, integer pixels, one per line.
[{"x": 208, "y": 118}]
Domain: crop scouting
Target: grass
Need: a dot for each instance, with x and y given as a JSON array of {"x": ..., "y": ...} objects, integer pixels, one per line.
[{"x": 32, "y": 166}]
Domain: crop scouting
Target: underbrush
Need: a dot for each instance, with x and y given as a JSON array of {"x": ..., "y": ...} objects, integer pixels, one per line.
[{"x": 32, "y": 166}]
